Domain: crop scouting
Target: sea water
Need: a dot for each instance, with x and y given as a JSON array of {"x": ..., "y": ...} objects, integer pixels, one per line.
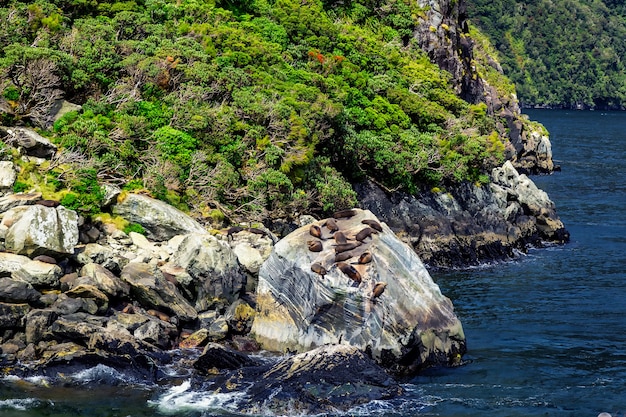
[{"x": 546, "y": 333}]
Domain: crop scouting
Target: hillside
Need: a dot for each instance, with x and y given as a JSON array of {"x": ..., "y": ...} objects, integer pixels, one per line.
[
  {"x": 250, "y": 110},
  {"x": 559, "y": 53}
]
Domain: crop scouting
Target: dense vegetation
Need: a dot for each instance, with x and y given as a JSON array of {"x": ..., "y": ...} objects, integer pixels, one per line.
[
  {"x": 568, "y": 53},
  {"x": 237, "y": 108}
]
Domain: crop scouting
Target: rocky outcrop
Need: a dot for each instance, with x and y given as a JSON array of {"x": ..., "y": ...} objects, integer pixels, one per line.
[
  {"x": 470, "y": 224},
  {"x": 324, "y": 380},
  {"x": 160, "y": 220},
  {"x": 410, "y": 326}
]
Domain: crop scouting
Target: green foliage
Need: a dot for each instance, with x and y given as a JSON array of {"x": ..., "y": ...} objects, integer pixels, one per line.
[
  {"x": 20, "y": 187},
  {"x": 567, "y": 53},
  {"x": 134, "y": 227},
  {"x": 248, "y": 106}
]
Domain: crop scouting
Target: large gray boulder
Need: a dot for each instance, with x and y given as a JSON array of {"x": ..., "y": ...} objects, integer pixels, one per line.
[
  {"x": 40, "y": 230},
  {"x": 160, "y": 220},
  {"x": 8, "y": 175},
  {"x": 152, "y": 290},
  {"x": 31, "y": 142},
  {"x": 410, "y": 326},
  {"x": 214, "y": 269},
  {"x": 39, "y": 274}
]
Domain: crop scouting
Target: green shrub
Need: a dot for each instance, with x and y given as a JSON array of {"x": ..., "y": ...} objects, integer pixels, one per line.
[{"x": 134, "y": 227}]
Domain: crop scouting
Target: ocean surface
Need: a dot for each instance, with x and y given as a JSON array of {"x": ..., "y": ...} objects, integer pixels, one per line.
[{"x": 546, "y": 333}]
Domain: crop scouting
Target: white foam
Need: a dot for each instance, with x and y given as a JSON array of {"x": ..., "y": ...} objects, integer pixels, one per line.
[
  {"x": 99, "y": 373},
  {"x": 18, "y": 403},
  {"x": 183, "y": 398}
]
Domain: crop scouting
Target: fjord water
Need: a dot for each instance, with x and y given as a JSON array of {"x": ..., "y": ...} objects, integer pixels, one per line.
[{"x": 546, "y": 333}]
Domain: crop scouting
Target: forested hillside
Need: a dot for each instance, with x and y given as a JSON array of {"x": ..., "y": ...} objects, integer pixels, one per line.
[
  {"x": 235, "y": 108},
  {"x": 568, "y": 53}
]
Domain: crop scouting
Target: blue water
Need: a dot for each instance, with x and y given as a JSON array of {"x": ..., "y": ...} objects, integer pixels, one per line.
[{"x": 546, "y": 334}]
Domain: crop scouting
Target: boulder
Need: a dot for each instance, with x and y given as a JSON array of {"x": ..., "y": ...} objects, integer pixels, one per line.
[
  {"x": 37, "y": 323},
  {"x": 214, "y": 268},
  {"x": 31, "y": 142},
  {"x": 41, "y": 230},
  {"x": 8, "y": 175},
  {"x": 21, "y": 199},
  {"x": 160, "y": 220},
  {"x": 104, "y": 280},
  {"x": 409, "y": 327},
  {"x": 13, "y": 291},
  {"x": 10, "y": 262},
  {"x": 218, "y": 357},
  {"x": 152, "y": 290},
  {"x": 12, "y": 315},
  {"x": 39, "y": 274},
  {"x": 252, "y": 249}
]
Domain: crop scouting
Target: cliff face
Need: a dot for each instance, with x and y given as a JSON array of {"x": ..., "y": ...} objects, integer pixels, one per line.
[{"x": 444, "y": 33}]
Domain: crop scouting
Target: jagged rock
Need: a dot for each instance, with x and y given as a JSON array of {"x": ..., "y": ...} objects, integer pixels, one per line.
[
  {"x": 214, "y": 268},
  {"x": 240, "y": 317},
  {"x": 197, "y": 339},
  {"x": 218, "y": 329},
  {"x": 14, "y": 200},
  {"x": 105, "y": 280},
  {"x": 156, "y": 332},
  {"x": 78, "y": 326},
  {"x": 10, "y": 262},
  {"x": 130, "y": 321},
  {"x": 12, "y": 315},
  {"x": 411, "y": 326},
  {"x": 469, "y": 224},
  {"x": 39, "y": 274},
  {"x": 41, "y": 230},
  {"x": 65, "y": 305},
  {"x": 150, "y": 250},
  {"x": 251, "y": 249},
  {"x": 325, "y": 380},
  {"x": 7, "y": 175},
  {"x": 152, "y": 290},
  {"x": 218, "y": 357},
  {"x": 160, "y": 220},
  {"x": 13, "y": 291},
  {"x": 31, "y": 142},
  {"x": 99, "y": 254},
  {"x": 89, "y": 292}
]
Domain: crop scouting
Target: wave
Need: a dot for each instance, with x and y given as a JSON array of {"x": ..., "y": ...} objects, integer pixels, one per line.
[
  {"x": 19, "y": 404},
  {"x": 182, "y": 398}
]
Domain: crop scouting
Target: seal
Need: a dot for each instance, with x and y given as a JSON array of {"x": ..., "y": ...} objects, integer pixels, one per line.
[
  {"x": 364, "y": 234},
  {"x": 343, "y": 247},
  {"x": 318, "y": 269},
  {"x": 232, "y": 230},
  {"x": 331, "y": 224},
  {"x": 373, "y": 224},
  {"x": 344, "y": 213},
  {"x": 314, "y": 245},
  {"x": 364, "y": 258},
  {"x": 379, "y": 288},
  {"x": 343, "y": 256},
  {"x": 350, "y": 271},
  {"x": 340, "y": 238},
  {"x": 316, "y": 231}
]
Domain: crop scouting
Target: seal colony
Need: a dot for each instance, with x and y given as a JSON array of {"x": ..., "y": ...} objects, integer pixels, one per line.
[{"x": 352, "y": 249}]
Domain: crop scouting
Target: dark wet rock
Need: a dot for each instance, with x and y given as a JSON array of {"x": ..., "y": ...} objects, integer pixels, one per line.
[
  {"x": 90, "y": 292},
  {"x": 37, "y": 324},
  {"x": 323, "y": 380},
  {"x": 240, "y": 316},
  {"x": 12, "y": 315},
  {"x": 217, "y": 357},
  {"x": 13, "y": 291}
]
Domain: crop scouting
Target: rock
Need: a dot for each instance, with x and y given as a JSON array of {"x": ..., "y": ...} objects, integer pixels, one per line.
[
  {"x": 32, "y": 143},
  {"x": 240, "y": 316},
  {"x": 105, "y": 281},
  {"x": 218, "y": 357},
  {"x": 130, "y": 321},
  {"x": 62, "y": 107},
  {"x": 77, "y": 327},
  {"x": 218, "y": 329},
  {"x": 65, "y": 305},
  {"x": 152, "y": 290},
  {"x": 99, "y": 254},
  {"x": 13, "y": 291},
  {"x": 43, "y": 230},
  {"x": 39, "y": 274},
  {"x": 157, "y": 333},
  {"x": 160, "y": 220},
  {"x": 214, "y": 268},
  {"x": 411, "y": 326},
  {"x": 7, "y": 175},
  {"x": 197, "y": 339},
  {"x": 325, "y": 380},
  {"x": 90, "y": 292},
  {"x": 14, "y": 200},
  {"x": 251, "y": 249},
  {"x": 37, "y": 323},
  {"x": 12, "y": 315},
  {"x": 111, "y": 192},
  {"x": 10, "y": 262}
]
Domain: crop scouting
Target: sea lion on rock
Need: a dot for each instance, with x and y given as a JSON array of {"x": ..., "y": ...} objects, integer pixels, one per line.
[
  {"x": 340, "y": 238},
  {"x": 316, "y": 231},
  {"x": 364, "y": 258},
  {"x": 318, "y": 269},
  {"x": 343, "y": 256},
  {"x": 344, "y": 213},
  {"x": 331, "y": 224},
  {"x": 379, "y": 288},
  {"x": 350, "y": 271},
  {"x": 343, "y": 247},
  {"x": 314, "y": 245},
  {"x": 364, "y": 234},
  {"x": 232, "y": 230},
  {"x": 373, "y": 224}
]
